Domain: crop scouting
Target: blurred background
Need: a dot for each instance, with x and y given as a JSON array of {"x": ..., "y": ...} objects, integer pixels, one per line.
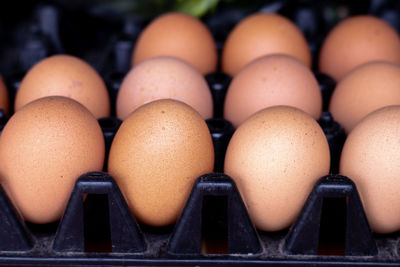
[{"x": 103, "y": 31}]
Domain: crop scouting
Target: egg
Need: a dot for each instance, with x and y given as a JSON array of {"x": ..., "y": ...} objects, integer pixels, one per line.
[
  {"x": 44, "y": 148},
  {"x": 275, "y": 158},
  {"x": 268, "y": 81},
  {"x": 357, "y": 40},
  {"x": 262, "y": 34},
  {"x": 179, "y": 35},
  {"x": 4, "y": 101},
  {"x": 155, "y": 157},
  {"x": 164, "y": 77},
  {"x": 370, "y": 157},
  {"x": 366, "y": 88},
  {"x": 68, "y": 76}
]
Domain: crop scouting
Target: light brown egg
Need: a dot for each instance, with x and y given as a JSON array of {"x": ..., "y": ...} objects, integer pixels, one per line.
[
  {"x": 155, "y": 157},
  {"x": 269, "y": 81},
  {"x": 164, "y": 77},
  {"x": 366, "y": 88},
  {"x": 371, "y": 157},
  {"x": 67, "y": 76},
  {"x": 357, "y": 40},
  {"x": 44, "y": 148},
  {"x": 4, "y": 105},
  {"x": 179, "y": 35},
  {"x": 275, "y": 158},
  {"x": 262, "y": 34}
]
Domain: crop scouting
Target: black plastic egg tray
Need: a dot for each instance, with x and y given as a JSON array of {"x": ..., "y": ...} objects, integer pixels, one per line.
[{"x": 97, "y": 228}]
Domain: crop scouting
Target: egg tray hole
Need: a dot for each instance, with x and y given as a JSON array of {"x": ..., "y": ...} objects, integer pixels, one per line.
[
  {"x": 96, "y": 228},
  {"x": 332, "y": 232}
]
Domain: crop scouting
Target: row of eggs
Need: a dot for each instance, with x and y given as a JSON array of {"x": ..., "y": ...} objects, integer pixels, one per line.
[
  {"x": 275, "y": 156},
  {"x": 269, "y": 73}
]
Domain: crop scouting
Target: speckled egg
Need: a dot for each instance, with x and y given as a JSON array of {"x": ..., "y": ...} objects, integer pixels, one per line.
[
  {"x": 275, "y": 157},
  {"x": 68, "y": 76},
  {"x": 355, "y": 41},
  {"x": 179, "y": 35},
  {"x": 164, "y": 77},
  {"x": 370, "y": 157},
  {"x": 263, "y": 34},
  {"x": 155, "y": 157},
  {"x": 366, "y": 88},
  {"x": 44, "y": 148},
  {"x": 269, "y": 81}
]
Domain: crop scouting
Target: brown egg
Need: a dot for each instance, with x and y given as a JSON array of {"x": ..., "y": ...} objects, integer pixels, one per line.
[
  {"x": 275, "y": 158},
  {"x": 263, "y": 34},
  {"x": 67, "y": 76},
  {"x": 357, "y": 40},
  {"x": 269, "y": 81},
  {"x": 366, "y": 88},
  {"x": 4, "y": 105},
  {"x": 164, "y": 77},
  {"x": 371, "y": 157},
  {"x": 44, "y": 148},
  {"x": 155, "y": 157},
  {"x": 179, "y": 35}
]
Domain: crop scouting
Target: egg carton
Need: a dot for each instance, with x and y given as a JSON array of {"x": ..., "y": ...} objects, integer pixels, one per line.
[{"x": 214, "y": 227}]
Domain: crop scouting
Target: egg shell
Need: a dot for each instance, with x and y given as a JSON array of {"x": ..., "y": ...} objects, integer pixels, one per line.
[
  {"x": 366, "y": 88},
  {"x": 179, "y": 35},
  {"x": 370, "y": 157},
  {"x": 44, "y": 148},
  {"x": 156, "y": 155},
  {"x": 268, "y": 81},
  {"x": 164, "y": 77},
  {"x": 275, "y": 158},
  {"x": 357, "y": 40},
  {"x": 4, "y": 101},
  {"x": 262, "y": 34},
  {"x": 68, "y": 76}
]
